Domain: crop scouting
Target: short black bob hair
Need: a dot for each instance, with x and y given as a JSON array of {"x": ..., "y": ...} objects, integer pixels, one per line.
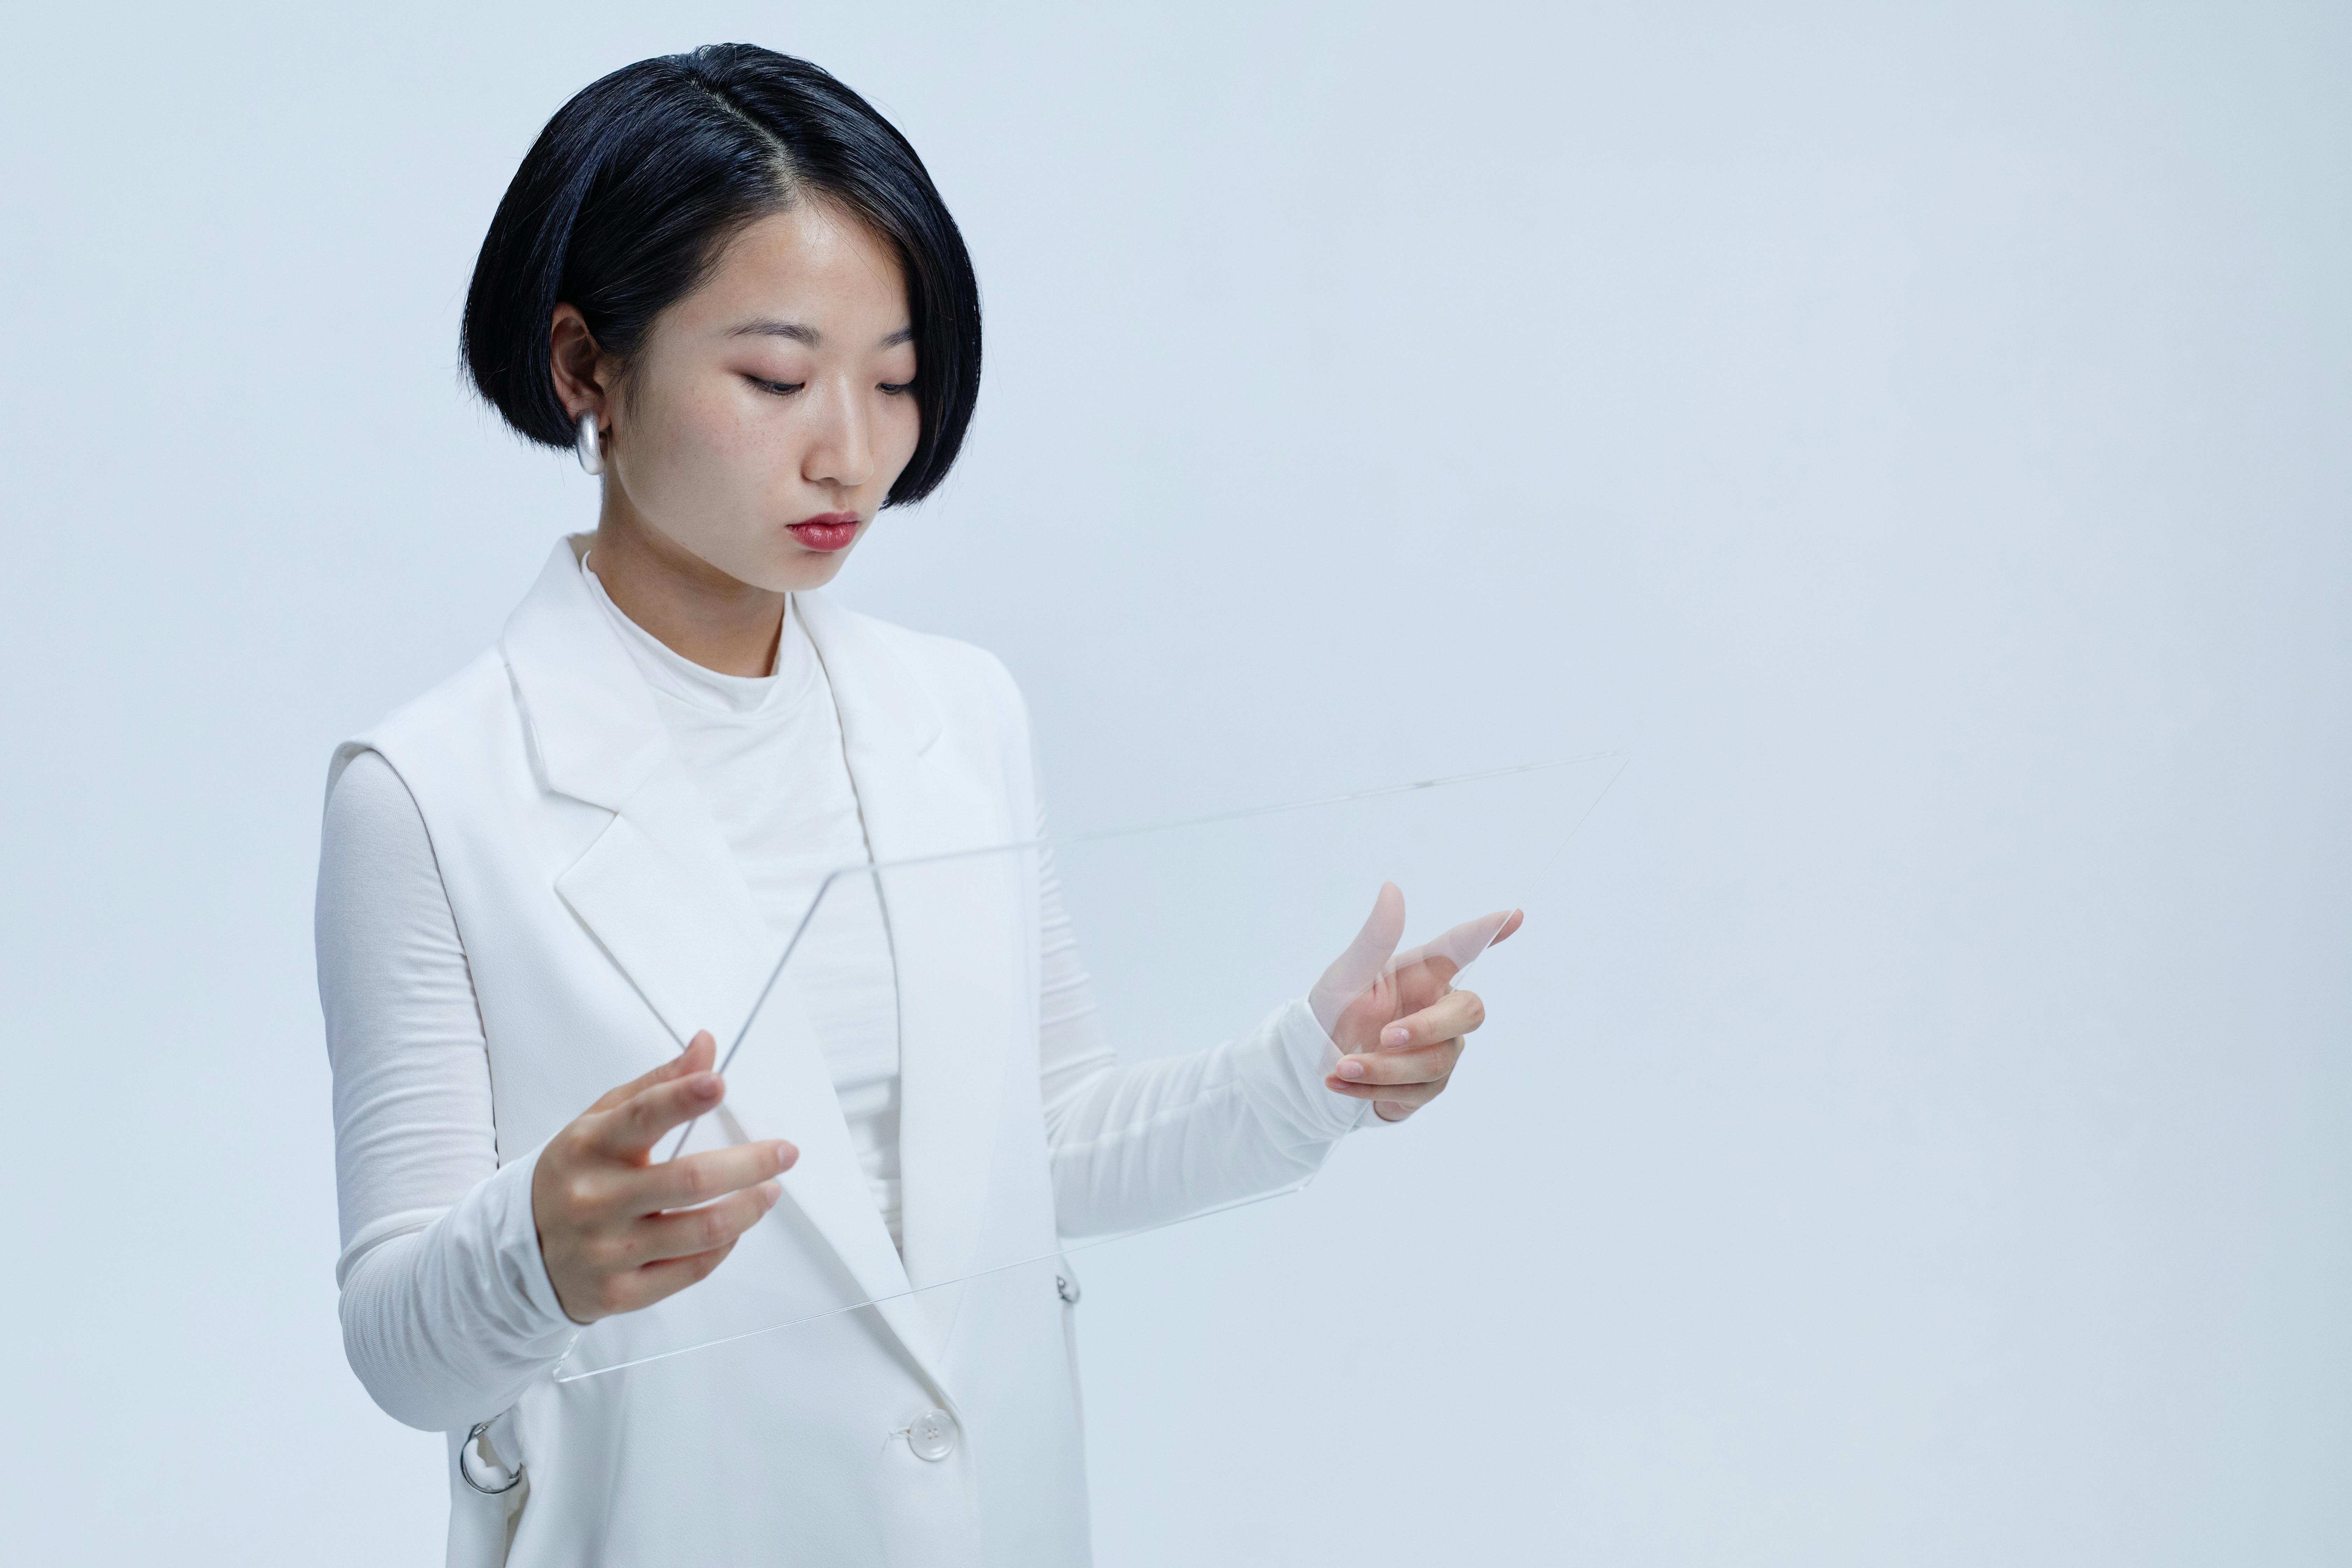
[{"x": 632, "y": 190}]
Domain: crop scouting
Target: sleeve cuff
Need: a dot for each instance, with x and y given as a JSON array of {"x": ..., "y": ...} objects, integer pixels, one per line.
[
  {"x": 514, "y": 1233},
  {"x": 1310, "y": 1054}
]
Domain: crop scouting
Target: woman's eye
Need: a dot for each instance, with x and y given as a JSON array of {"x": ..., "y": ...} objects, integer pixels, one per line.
[
  {"x": 780, "y": 388},
  {"x": 897, "y": 388}
]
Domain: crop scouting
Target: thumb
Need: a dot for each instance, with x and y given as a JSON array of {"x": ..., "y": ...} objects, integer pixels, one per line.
[{"x": 1356, "y": 971}]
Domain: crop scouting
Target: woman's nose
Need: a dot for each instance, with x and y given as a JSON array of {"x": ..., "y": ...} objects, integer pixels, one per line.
[{"x": 843, "y": 452}]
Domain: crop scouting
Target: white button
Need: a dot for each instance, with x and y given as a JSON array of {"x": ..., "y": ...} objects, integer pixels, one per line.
[{"x": 932, "y": 1436}]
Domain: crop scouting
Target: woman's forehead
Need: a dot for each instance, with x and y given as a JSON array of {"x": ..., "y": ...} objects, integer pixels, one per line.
[{"x": 812, "y": 273}]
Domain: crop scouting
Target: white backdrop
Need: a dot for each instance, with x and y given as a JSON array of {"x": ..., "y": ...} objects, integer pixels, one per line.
[{"x": 1917, "y": 435}]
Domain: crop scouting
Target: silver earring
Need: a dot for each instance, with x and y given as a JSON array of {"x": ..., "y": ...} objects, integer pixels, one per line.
[{"x": 590, "y": 450}]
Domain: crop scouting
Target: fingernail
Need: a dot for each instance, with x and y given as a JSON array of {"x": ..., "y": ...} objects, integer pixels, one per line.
[
  {"x": 786, "y": 1155},
  {"x": 1350, "y": 1068},
  {"x": 1395, "y": 1035},
  {"x": 769, "y": 1193},
  {"x": 703, "y": 1083}
]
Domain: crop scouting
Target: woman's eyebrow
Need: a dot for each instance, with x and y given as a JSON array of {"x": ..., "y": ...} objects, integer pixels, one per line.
[{"x": 768, "y": 327}]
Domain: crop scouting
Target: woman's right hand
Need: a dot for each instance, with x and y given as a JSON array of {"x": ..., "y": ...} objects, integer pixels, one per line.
[{"x": 619, "y": 1232}]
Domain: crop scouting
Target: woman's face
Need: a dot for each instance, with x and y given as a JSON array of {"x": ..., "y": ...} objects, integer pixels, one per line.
[{"x": 772, "y": 409}]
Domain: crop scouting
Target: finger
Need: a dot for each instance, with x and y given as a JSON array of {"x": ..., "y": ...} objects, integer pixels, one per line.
[
  {"x": 634, "y": 1287},
  {"x": 1424, "y": 1064},
  {"x": 696, "y": 1057},
  {"x": 1455, "y": 1014},
  {"x": 630, "y": 1130},
  {"x": 1355, "y": 971},
  {"x": 1400, "y": 998},
  {"x": 1462, "y": 945},
  {"x": 699, "y": 1178},
  {"x": 1408, "y": 991},
  {"x": 1412, "y": 987},
  {"x": 686, "y": 1232},
  {"x": 1411, "y": 1096}
]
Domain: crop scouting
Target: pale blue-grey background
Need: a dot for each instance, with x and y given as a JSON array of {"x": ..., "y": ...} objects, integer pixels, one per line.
[{"x": 1917, "y": 435}]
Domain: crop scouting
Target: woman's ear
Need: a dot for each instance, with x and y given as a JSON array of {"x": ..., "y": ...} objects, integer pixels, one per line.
[{"x": 577, "y": 364}]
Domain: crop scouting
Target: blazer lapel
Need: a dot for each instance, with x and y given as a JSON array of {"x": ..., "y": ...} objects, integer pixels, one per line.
[
  {"x": 659, "y": 889},
  {"x": 966, "y": 995},
  {"x": 661, "y": 892}
]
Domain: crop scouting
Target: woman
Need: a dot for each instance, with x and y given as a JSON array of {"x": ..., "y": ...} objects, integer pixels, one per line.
[{"x": 730, "y": 285}]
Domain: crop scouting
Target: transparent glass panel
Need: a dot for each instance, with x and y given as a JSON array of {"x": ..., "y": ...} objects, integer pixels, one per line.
[{"x": 1151, "y": 1068}]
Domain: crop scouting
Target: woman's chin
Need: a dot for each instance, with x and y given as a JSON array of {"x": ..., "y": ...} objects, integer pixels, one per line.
[
  {"x": 780, "y": 565},
  {"x": 792, "y": 569}
]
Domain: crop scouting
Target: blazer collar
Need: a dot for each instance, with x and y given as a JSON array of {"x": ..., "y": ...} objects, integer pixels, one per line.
[
  {"x": 593, "y": 722},
  {"x": 886, "y": 713}
]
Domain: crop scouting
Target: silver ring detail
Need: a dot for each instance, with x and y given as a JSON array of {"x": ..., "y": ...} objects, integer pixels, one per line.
[
  {"x": 1067, "y": 1288},
  {"x": 468, "y": 1476}
]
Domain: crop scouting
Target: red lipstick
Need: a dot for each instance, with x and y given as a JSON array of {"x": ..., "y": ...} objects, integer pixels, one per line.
[{"x": 827, "y": 530}]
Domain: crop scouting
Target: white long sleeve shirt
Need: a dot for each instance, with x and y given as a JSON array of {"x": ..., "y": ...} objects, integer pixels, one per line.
[{"x": 447, "y": 1310}]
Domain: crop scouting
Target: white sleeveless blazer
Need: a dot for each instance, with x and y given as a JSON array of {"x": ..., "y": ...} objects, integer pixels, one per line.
[{"x": 604, "y": 922}]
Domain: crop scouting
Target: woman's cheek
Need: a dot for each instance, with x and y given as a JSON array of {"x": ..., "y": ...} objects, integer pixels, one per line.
[
  {"x": 714, "y": 426},
  {"x": 693, "y": 488},
  {"x": 724, "y": 455}
]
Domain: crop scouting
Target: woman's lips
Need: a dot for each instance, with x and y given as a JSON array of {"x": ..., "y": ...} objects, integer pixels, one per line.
[{"x": 827, "y": 530}]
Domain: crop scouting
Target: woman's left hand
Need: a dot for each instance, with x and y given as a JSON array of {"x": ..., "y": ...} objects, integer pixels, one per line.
[{"x": 1399, "y": 1022}]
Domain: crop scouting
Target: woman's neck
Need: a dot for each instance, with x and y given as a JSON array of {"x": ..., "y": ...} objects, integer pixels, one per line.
[{"x": 690, "y": 606}]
